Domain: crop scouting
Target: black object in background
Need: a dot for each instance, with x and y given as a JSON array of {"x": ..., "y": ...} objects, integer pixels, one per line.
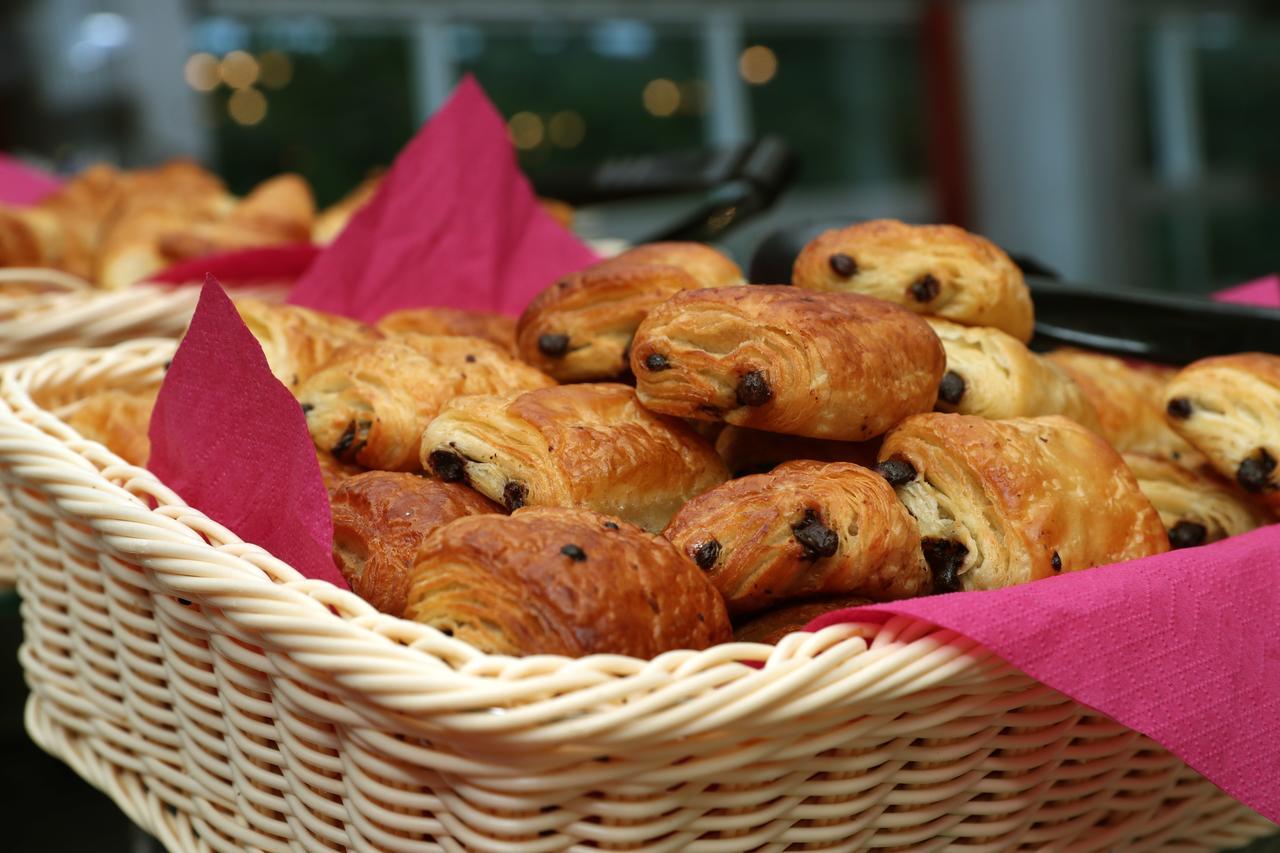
[{"x": 1157, "y": 327}]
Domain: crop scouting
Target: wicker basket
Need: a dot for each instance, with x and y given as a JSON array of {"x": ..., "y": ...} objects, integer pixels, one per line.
[{"x": 226, "y": 703}]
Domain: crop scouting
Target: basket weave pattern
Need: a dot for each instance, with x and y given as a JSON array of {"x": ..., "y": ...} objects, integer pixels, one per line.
[{"x": 226, "y": 703}]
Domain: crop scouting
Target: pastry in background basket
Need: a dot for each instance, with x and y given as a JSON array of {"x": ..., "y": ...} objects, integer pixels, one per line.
[
  {"x": 994, "y": 375},
  {"x": 298, "y": 341},
  {"x": 562, "y": 581},
  {"x": 580, "y": 328},
  {"x": 333, "y": 219},
  {"x": 61, "y": 231},
  {"x": 1229, "y": 408},
  {"x": 118, "y": 420},
  {"x": 1000, "y": 503},
  {"x": 1129, "y": 402},
  {"x": 752, "y": 451},
  {"x": 494, "y": 328},
  {"x": 279, "y": 210},
  {"x": 1196, "y": 507},
  {"x": 771, "y": 626},
  {"x": 335, "y": 472},
  {"x": 804, "y": 529},
  {"x": 371, "y": 401},
  {"x": 590, "y": 445},
  {"x": 939, "y": 270},
  {"x": 823, "y": 365},
  {"x": 379, "y": 520}
]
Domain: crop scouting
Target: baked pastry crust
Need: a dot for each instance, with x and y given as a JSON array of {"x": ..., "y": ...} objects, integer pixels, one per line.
[
  {"x": 752, "y": 451},
  {"x": 1196, "y": 507},
  {"x": 823, "y": 365},
  {"x": 552, "y": 580},
  {"x": 709, "y": 267},
  {"x": 1000, "y": 503},
  {"x": 370, "y": 402},
  {"x": 771, "y": 626},
  {"x": 993, "y": 375},
  {"x": 590, "y": 445},
  {"x": 495, "y": 328},
  {"x": 379, "y": 520},
  {"x": 940, "y": 270},
  {"x": 1229, "y": 408},
  {"x": 335, "y": 472},
  {"x": 298, "y": 341},
  {"x": 118, "y": 420},
  {"x": 1129, "y": 402},
  {"x": 804, "y": 529}
]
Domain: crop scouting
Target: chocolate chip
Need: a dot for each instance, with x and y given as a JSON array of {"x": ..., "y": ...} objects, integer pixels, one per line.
[
  {"x": 754, "y": 390},
  {"x": 706, "y": 554},
  {"x": 352, "y": 441},
  {"x": 448, "y": 466},
  {"x": 1055, "y": 562},
  {"x": 925, "y": 289},
  {"x": 945, "y": 558},
  {"x": 1179, "y": 407},
  {"x": 184, "y": 602},
  {"x": 471, "y": 359},
  {"x": 611, "y": 525},
  {"x": 306, "y": 408},
  {"x": 1254, "y": 473},
  {"x": 951, "y": 388},
  {"x": 1187, "y": 534},
  {"x": 843, "y": 265},
  {"x": 897, "y": 471},
  {"x": 573, "y": 552},
  {"x": 514, "y": 494},
  {"x": 553, "y": 345},
  {"x": 816, "y": 538},
  {"x": 655, "y": 362}
]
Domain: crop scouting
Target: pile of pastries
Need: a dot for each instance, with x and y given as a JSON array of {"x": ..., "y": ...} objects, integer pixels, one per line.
[{"x": 656, "y": 455}]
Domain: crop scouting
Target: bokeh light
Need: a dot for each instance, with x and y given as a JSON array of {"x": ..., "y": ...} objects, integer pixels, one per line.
[
  {"x": 661, "y": 97},
  {"x": 247, "y": 106},
  {"x": 201, "y": 72},
  {"x": 566, "y": 129},
  {"x": 275, "y": 69},
  {"x": 238, "y": 69},
  {"x": 757, "y": 65},
  {"x": 526, "y": 130}
]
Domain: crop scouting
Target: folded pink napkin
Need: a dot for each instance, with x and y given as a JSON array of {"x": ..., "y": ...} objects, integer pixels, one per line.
[
  {"x": 454, "y": 224},
  {"x": 23, "y": 184},
  {"x": 246, "y": 266},
  {"x": 229, "y": 438},
  {"x": 1262, "y": 291}
]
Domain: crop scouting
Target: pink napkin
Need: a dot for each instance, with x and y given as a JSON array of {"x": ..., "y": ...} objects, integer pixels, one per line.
[
  {"x": 21, "y": 184},
  {"x": 229, "y": 438},
  {"x": 454, "y": 224},
  {"x": 262, "y": 264},
  {"x": 1263, "y": 291}
]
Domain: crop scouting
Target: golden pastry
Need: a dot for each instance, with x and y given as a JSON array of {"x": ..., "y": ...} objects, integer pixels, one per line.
[
  {"x": 590, "y": 445},
  {"x": 296, "y": 340},
  {"x": 278, "y": 210},
  {"x": 939, "y": 270},
  {"x": 494, "y": 328},
  {"x": 1000, "y": 503},
  {"x": 1129, "y": 402},
  {"x": 380, "y": 518},
  {"x": 994, "y": 375},
  {"x": 823, "y": 365},
  {"x": 1196, "y": 507},
  {"x": 335, "y": 472},
  {"x": 708, "y": 266},
  {"x": 752, "y": 451},
  {"x": 550, "y": 580},
  {"x": 370, "y": 402},
  {"x": 118, "y": 420},
  {"x": 1229, "y": 408},
  {"x": 805, "y": 529},
  {"x": 772, "y": 625}
]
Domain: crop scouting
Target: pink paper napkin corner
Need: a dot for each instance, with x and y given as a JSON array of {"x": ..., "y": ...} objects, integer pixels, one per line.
[
  {"x": 229, "y": 438},
  {"x": 455, "y": 223},
  {"x": 21, "y": 184},
  {"x": 1263, "y": 291}
]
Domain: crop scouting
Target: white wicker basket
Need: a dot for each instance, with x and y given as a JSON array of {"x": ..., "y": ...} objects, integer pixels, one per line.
[{"x": 228, "y": 704}]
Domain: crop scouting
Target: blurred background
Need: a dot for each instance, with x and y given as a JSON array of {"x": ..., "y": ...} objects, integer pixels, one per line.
[{"x": 1128, "y": 143}]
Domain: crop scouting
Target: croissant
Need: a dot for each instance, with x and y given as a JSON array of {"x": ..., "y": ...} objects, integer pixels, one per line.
[
  {"x": 1229, "y": 408},
  {"x": 278, "y": 210},
  {"x": 1129, "y": 402},
  {"x": 118, "y": 420},
  {"x": 805, "y": 529},
  {"x": 589, "y": 445},
  {"x": 708, "y": 266},
  {"x": 296, "y": 340},
  {"x": 370, "y": 403},
  {"x": 380, "y": 518},
  {"x": 494, "y": 328},
  {"x": 823, "y": 365},
  {"x": 1000, "y": 503},
  {"x": 772, "y": 625},
  {"x": 335, "y": 472},
  {"x": 752, "y": 451},
  {"x": 939, "y": 270},
  {"x": 1196, "y": 507},
  {"x": 994, "y": 375},
  {"x": 551, "y": 580}
]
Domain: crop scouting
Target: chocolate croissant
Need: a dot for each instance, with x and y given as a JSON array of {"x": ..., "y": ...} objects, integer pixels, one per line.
[
  {"x": 805, "y": 529},
  {"x": 298, "y": 341},
  {"x": 550, "y": 580},
  {"x": 994, "y": 375},
  {"x": 1129, "y": 402},
  {"x": 1229, "y": 408},
  {"x": 708, "y": 266},
  {"x": 771, "y": 626},
  {"x": 939, "y": 270},
  {"x": 379, "y": 520},
  {"x": 823, "y": 365},
  {"x": 118, "y": 420},
  {"x": 752, "y": 451},
  {"x": 371, "y": 402},
  {"x": 590, "y": 445},
  {"x": 494, "y": 328},
  {"x": 1196, "y": 507},
  {"x": 1000, "y": 503}
]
